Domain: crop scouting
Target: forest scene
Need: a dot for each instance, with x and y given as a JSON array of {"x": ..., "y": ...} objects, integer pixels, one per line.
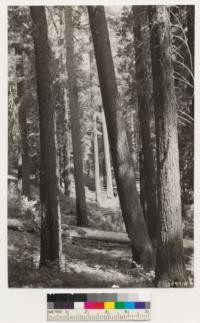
[{"x": 100, "y": 146}]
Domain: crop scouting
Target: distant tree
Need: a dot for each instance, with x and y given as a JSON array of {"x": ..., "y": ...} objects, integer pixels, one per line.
[
  {"x": 81, "y": 211},
  {"x": 144, "y": 91},
  {"x": 24, "y": 163},
  {"x": 170, "y": 267},
  {"x": 66, "y": 149},
  {"x": 51, "y": 243},
  {"x": 109, "y": 185},
  {"x": 126, "y": 80},
  {"x": 122, "y": 162},
  {"x": 60, "y": 93},
  {"x": 96, "y": 162},
  {"x": 19, "y": 35}
]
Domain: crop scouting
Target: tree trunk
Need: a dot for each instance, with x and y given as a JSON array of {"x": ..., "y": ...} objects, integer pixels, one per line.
[
  {"x": 66, "y": 149},
  {"x": 51, "y": 243},
  {"x": 143, "y": 199},
  {"x": 95, "y": 135},
  {"x": 109, "y": 186},
  {"x": 144, "y": 92},
  {"x": 24, "y": 168},
  {"x": 96, "y": 163},
  {"x": 170, "y": 267},
  {"x": 81, "y": 210},
  {"x": 122, "y": 162}
]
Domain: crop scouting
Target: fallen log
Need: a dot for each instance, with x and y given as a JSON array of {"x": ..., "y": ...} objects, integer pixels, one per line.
[
  {"x": 15, "y": 224},
  {"x": 18, "y": 225},
  {"x": 93, "y": 234},
  {"x": 74, "y": 232}
]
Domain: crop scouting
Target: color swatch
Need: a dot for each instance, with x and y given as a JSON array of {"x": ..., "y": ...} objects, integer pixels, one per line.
[{"x": 106, "y": 301}]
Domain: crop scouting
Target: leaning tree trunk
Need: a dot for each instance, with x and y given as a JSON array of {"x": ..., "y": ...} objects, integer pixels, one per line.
[
  {"x": 24, "y": 166},
  {"x": 109, "y": 185},
  {"x": 122, "y": 162},
  {"x": 81, "y": 210},
  {"x": 170, "y": 268},
  {"x": 51, "y": 244},
  {"x": 144, "y": 92}
]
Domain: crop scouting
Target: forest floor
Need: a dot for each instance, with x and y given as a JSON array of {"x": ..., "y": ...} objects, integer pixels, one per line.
[{"x": 86, "y": 263}]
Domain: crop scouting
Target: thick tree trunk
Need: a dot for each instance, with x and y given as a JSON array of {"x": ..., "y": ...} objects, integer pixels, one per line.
[
  {"x": 109, "y": 185},
  {"x": 24, "y": 168},
  {"x": 170, "y": 267},
  {"x": 51, "y": 243},
  {"x": 122, "y": 162},
  {"x": 144, "y": 92},
  {"x": 96, "y": 163},
  {"x": 81, "y": 210}
]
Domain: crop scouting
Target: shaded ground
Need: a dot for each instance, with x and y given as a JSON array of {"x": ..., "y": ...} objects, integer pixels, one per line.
[{"x": 86, "y": 263}]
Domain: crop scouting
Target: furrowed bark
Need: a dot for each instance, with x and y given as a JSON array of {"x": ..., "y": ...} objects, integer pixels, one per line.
[
  {"x": 144, "y": 91},
  {"x": 51, "y": 243},
  {"x": 170, "y": 267}
]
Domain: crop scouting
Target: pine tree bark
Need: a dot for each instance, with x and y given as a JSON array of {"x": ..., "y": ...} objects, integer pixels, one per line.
[
  {"x": 144, "y": 92},
  {"x": 81, "y": 211},
  {"x": 24, "y": 167},
  {"x": 96, "y": 163},
  {"x": 51, "y": 243},
  {"x": 170, "y": 267},
  {"x": 122, "y": 162},
  {"x": 109, "y": 185}
]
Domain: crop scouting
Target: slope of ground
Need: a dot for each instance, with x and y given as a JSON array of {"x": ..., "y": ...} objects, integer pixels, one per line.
[{"x": 86, "y": 263}]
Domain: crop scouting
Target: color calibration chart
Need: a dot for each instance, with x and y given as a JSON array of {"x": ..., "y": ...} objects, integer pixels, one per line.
[{"x": 99, "y": 307}]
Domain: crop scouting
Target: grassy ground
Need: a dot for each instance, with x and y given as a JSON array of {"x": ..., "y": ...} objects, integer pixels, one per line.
[{"x": 86, "y": 263}]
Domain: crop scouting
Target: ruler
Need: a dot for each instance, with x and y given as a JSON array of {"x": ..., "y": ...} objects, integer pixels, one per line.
[
  {"x": 100, "y": 315},
  {"x": 99, "y": 307}
]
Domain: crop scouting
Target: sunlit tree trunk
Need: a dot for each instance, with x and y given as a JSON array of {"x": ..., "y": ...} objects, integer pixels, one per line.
[
  {"x": 81, "y": 211},
  {"x": 51, "y": 243},
  {"x": 24, "y": 162},
  {"x": 170, "y": 267},
  {"x": 66, "y": 148},
  {"x": 109, "y": 186},
  {"x": 96, "y": 163},
  {"x": 121, "y": 157}
]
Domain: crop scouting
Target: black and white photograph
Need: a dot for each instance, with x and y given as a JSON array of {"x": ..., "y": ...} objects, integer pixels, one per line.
[{"x": 101, "y": 146}]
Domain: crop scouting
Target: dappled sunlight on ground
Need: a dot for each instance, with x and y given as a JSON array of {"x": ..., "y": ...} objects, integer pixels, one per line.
[{"x": 86, "y": 263}]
